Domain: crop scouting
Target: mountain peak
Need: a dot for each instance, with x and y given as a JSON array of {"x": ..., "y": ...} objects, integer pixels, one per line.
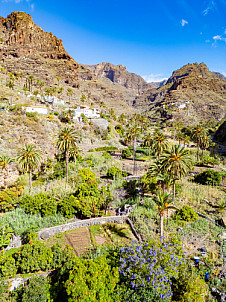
[{"x": 19, "y": 35}]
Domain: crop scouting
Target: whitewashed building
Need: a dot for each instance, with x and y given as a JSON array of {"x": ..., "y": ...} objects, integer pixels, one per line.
[
  {"x": 38, "y": 109},
  {"x": 88, "y": 113}
]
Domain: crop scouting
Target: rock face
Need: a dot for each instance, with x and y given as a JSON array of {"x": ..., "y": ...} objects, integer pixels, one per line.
[
  {"x": 19, "y": 35},
  {"x": 192, "y": 93},
  {"x": 119, "y": 74}
]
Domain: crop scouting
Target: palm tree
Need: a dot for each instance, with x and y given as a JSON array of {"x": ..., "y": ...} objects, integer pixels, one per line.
[
  {"x": 131, "y": 135},
  {"x": 163, "y": 200},
  {"x": 30, "y": 81},
  {"x": 204, "y": 143},
  {"x": 159, "y": 143},
  {"x": 29, "y": 158},
  {"x": 148, "y": 140},
  {"x": 67, "y": 140},
  {"x": 4, "y": 163},
  {"x": 198, "y": 132},
  {"x": 40, "y": 83},
  {"x": 177, "y": 162},
  {"x": 163, "y": 178}
]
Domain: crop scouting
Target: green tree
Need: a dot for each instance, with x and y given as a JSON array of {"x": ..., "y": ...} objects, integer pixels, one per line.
[
  {"x": 67, "y": 139},
  {"x": 163, "y": 200},
  {"x": 30, "y": 81},
  {"x": 159, "y": 143},
  {"x": 197, "y": 134},
  {"x": 29, "y": 158},
  {"x": 177, "y": 162},
  {"x": 204, "y": 143}
]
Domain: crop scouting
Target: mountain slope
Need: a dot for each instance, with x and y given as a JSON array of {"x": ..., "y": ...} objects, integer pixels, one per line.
[
  {"x": 192, "y": 93},
  {"x": 119, "y": 74},
  {"x": 25, "y": 47}
]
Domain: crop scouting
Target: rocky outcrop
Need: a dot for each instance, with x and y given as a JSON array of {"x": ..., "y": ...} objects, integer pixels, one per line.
[
  {"x": 119, "y": 74},
  {"x": 19, "y": 36}
]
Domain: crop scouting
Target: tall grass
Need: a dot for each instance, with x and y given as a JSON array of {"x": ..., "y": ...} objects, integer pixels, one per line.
[{"x": 22, "y": 223}]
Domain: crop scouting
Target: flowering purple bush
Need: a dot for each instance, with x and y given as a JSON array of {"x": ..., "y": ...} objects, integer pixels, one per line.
[{"x": 151, "y": 265}]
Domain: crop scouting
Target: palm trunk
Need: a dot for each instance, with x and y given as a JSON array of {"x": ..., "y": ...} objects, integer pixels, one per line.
[
  {"x": 134, "y": 156},
  {"x": 174, "y": 188},
  {"x": 67, "y": 160},
  {"x": 30, "y": 179},
  {"x": 161, "y": 226},
  {"x": 198, "y": 152}
]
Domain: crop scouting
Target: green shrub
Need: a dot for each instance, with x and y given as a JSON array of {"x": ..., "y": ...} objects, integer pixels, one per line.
[
  {"x": 56, "y": 113},
  {"x": 66, "y": 206},
  {"x": 114, "y": 172},
  {"x": 208, "y": 177},
  {"x": 208, "y": 160},
  {"x": 92, "y": 280},
  {"x": 37, "y": 289},
  {"x": 5, "y": 235},
  {"x": 86, "y": 174},
  {"x": 106, "y": 148},
  {"x": 41, "y": 203},
  {"x": 127, "y": 153},
  {"x": 120, "y": 129},
  {"x": 33, "y": 115},
  {"x": 9, "y": 198},
  {"x": 33, "y": 257},
  {"x": 8, "y": 267},
  {"x": 186, "y": 213},
  {"x": 59, "y": 170}
]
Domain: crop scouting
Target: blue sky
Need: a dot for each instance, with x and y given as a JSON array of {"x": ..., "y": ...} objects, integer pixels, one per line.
[{"x": 150, "y": 38}]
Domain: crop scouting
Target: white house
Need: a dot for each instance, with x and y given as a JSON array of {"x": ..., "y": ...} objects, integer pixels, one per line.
[
  {"x": 181, "y": 106},
  {"x": 38, "y": 109},
  {"x": 88, "y": 113}
]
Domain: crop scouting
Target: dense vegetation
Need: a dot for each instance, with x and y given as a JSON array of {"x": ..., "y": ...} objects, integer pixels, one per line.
[{"x": 170, "y": 183}]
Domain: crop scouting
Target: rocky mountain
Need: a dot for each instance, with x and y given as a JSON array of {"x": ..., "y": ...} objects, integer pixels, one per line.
[
  {"x": 26, "y": 48},
  {"x": 192, "y": 93},
  {"x": 119, "y": 74},
  {"x": 220, "y": 75}
]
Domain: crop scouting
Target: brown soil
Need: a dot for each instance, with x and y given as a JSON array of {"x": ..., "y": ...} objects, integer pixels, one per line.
[{"x": 78, "y": 239}]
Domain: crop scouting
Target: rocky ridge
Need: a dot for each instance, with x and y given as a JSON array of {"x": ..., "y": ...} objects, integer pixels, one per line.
[
  {"x": 192, "y": 93},
  {"x": 119, "y": 74}
]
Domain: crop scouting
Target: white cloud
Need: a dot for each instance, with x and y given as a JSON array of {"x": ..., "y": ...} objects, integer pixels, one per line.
[
  {"x": 211, "y": 6},
  {"x": 184, "y": 22},
  {"x": 154, "y": 78},
  {"x": 219, "y": 38}
]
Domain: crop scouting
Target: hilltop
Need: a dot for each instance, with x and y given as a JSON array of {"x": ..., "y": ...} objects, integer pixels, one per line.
[{"x": 192, "y": 93}]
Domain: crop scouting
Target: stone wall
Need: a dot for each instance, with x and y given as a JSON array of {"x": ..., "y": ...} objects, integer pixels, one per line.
[{"x": 49, "y": 232}]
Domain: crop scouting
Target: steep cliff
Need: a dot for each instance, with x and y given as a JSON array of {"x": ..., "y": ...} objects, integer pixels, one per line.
[{"x": 119, "y": 74}]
